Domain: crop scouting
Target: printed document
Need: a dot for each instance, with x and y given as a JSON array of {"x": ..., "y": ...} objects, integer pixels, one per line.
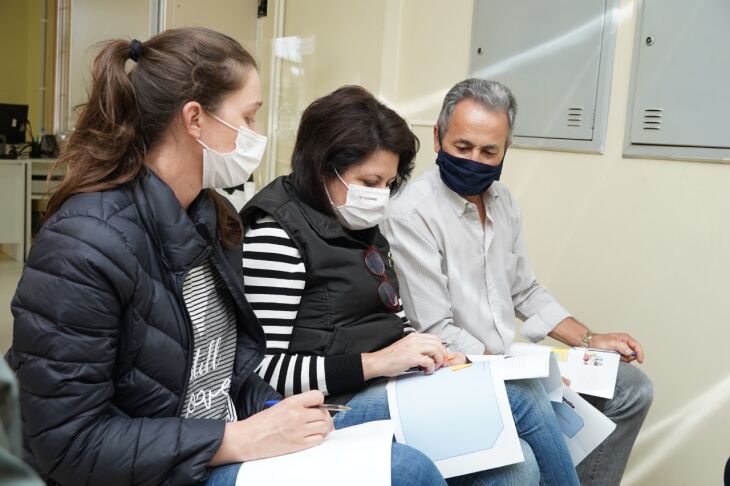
[
  {"x": 460, "y": 418},
  {"x": 590, "y": 371},
  {"x": 583, "y": 426}
]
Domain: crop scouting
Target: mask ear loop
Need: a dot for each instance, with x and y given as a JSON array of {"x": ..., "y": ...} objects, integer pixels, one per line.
[
  {"x": 200, "y": 141},
  {"x": 328, "y": 193},
  {"x": 224, "y": 122},
  {"x": 341, "y": 179}
]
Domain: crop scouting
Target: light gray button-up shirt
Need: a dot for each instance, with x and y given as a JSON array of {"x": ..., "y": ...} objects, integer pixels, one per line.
[{"x": 459, "y": 279}]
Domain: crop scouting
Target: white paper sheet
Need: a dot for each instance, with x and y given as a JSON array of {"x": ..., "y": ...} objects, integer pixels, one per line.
[
  {"x": 524, "y": 360},
  {"x": 553, "y": 383},
  {"x": 590, "y": 371},
  {"x": 358, "y": 455},
  {"x": 583, "y": 426},
  {"x": 460, "y": 419},
  {"x": 532, "y": 364}
]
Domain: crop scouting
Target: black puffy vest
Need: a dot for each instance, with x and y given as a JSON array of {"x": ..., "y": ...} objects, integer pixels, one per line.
[{"x": 340, "y": 310}]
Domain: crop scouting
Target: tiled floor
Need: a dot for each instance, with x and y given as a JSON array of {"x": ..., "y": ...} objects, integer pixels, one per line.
[{"x": 9, "y": 276}]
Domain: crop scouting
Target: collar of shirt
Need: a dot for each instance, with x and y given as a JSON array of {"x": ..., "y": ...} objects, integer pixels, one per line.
[{"x": 457, "y": 202}]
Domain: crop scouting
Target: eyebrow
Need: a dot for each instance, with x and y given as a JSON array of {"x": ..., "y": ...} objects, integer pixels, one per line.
[{"x": 255, "y": 104}]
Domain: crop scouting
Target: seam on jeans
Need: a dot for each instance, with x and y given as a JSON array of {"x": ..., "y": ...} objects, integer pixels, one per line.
[{"x": 599, "y": 456}]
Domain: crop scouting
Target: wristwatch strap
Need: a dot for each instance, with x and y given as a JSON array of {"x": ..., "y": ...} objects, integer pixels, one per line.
[{"x": 586, "y": 341}]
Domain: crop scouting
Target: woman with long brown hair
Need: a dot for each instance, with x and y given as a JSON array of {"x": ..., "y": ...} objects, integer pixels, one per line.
[{"x": 133, "y": 342}]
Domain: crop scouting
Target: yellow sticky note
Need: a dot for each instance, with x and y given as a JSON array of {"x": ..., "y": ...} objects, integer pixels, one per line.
[
  {"x": 561, "y": 354},
  {"x": 459, "y": 367}
]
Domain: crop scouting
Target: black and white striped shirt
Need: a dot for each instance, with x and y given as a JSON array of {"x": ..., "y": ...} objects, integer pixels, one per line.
[
  {"x": 211, "y": 311},
  {"x": 274, "y": 280}
]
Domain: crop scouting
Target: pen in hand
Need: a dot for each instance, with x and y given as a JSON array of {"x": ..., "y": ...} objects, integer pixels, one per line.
[{"x": 325, "y": 406}]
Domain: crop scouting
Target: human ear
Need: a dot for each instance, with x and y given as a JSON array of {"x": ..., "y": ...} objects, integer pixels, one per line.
[
  {"x": 191, "y": 118},
  {"x": 436, "y": 141}
]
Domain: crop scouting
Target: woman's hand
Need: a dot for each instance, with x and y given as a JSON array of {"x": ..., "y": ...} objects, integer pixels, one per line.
[
  {"x": 414, "y": 350},
  {"x": 291, "y": 425}
]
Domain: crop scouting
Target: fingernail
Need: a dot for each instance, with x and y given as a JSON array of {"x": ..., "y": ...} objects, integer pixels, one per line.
[{"x": 633, "y": 354}]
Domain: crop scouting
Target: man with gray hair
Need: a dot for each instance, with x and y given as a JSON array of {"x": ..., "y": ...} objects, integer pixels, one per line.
[{"x": 456, "y": 237}]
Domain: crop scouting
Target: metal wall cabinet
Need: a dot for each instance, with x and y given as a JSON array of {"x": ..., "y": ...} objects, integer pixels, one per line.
[
  {"x": 557, "y": 58},
  {"x": 680, "y": 89}
]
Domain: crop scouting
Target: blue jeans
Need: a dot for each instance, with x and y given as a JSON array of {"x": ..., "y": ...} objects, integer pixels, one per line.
[
  {"x": 409, "y": 467},
  {"x": 543, "y": 444}
]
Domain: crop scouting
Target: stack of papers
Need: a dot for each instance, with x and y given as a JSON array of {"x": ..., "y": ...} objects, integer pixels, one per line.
[{"x": 584, "y": 427}]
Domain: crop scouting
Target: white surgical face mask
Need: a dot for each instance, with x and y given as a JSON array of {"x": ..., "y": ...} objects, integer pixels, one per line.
[
  {"x": 364, "y": 208},
  {"x": 233, "y": 168}
]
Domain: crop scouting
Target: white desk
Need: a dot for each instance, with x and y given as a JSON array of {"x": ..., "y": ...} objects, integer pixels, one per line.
[{"x": 17, "y": 192}]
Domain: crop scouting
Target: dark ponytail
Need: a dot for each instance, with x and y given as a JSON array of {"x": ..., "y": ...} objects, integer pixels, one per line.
[{"x": 127, "y": 111}]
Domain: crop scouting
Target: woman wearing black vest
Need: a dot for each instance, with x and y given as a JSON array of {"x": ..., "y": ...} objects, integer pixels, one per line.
[
  {"x": 133, "y": 343},
  {"x": 317, "y": 272}
]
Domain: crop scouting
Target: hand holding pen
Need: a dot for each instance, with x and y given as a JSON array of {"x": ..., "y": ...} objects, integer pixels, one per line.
[
  {"x": 330, "y": 407},
  {"x": 294, "y": 424}
]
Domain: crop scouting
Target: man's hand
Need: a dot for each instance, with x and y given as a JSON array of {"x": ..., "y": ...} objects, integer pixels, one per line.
[
  {"x": 628, "y": 347},
  {"x": 571, "y": 332}
]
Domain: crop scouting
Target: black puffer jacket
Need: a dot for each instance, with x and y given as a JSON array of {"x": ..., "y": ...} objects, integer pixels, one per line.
[{"x": 102, "y": 346}]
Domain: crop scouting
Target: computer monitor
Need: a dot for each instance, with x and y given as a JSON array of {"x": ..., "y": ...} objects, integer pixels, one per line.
[{"x": 13, "y": 119}]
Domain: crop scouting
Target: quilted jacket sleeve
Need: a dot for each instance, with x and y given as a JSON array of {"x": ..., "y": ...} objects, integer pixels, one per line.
[{"x": 75, "y": 287}]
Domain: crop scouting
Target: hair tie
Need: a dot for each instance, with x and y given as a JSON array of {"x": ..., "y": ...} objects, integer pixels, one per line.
[{"x": 135, "y": 50}]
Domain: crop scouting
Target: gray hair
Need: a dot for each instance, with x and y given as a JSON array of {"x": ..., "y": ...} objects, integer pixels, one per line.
[{"x": 491, "y": 95}]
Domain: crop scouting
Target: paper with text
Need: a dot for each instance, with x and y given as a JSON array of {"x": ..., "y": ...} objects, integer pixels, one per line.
[
  {"x": 524, "y": 360},
  {"x": 584, "y": 427},
  {"x": 590, "y": 371},
  {"x": 357, "y": 455}
]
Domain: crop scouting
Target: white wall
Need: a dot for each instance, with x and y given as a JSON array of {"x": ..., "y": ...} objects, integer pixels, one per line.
[{"x": 641, "y": 246}]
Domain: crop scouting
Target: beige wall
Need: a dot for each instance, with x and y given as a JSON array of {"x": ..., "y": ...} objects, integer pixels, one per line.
[
  {"x": 326, "y": 44},
  {"x": 94, "y": 21},
  {"x": 236, "y": 18},
  {"x": 21, "y": 55},
  {"x": 636, "y": 245},
  {"x": 14, "y": 80}
]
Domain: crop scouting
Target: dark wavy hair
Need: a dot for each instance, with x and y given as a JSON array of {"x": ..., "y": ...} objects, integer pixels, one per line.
[
  {"x": 341, "y": 130},
  {"x": 129, "y": 109}
]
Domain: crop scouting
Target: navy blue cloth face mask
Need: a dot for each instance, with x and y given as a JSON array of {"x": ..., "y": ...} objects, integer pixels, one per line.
[{"x": 466, "y": 177}]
